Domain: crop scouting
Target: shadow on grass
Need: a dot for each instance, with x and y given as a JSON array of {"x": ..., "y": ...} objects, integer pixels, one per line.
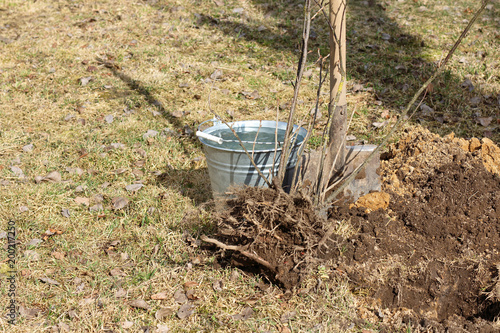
[
  {"x": 191, "y": 182},
  {"x": 386, "y": 59}
]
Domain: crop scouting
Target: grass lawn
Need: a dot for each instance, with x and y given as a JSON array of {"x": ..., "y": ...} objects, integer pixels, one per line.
[{"x": 107, "y": 94}]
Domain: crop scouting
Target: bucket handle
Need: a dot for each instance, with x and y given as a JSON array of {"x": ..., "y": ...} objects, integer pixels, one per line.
[
  {"x": 207, "y": 136},
  {"x": 210, "y": 137}
]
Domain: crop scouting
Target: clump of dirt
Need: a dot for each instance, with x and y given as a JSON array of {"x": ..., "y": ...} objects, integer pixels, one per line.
[{"x": 429, "y": 257}]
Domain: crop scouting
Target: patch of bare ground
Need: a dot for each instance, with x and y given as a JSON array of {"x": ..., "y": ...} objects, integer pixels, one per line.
[{"x": 429, "y": 261}]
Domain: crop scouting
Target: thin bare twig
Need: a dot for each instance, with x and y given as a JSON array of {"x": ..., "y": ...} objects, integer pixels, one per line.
[{"x": 300, "y": 71}]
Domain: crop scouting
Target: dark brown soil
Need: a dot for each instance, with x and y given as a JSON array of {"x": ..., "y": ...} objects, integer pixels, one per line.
[{"x": 430, "y": 260}]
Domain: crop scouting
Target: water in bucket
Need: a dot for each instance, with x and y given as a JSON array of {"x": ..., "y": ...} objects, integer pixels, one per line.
[{"x": 264, "y": 138}]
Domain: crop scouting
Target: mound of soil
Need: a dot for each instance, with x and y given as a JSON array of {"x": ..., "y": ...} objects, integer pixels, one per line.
[
  {"x": 435, "y": 250},
  {"x": 431, "y": 258}
]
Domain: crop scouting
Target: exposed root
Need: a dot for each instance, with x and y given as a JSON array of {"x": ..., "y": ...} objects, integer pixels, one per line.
[{"x": 240, "y": 249}]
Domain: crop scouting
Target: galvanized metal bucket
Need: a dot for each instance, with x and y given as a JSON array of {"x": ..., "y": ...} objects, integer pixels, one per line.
[{"x": 231, "y": 166}]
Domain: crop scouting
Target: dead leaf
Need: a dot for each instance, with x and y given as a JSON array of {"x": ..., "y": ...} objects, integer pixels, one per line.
[
  {"x": 120, "y": 293},
  {"x": 35, "y": 242},
  {"x": 119, "y": 203},
  {"x": 180, "y": 296},
  {"x": 163, "y": 295},
  {"x": 127, "y": 324},
  {"x": 82, "y": 201},
  {"x": 134, "y": 187},
  {"x": 141, "y": 152},
  {"x": 284, "y": 329},
  {"x": 28, "y": 148},
  {"x": 140, "y": 304},
  {"x": 91, "y": 69},
  {"x": 247, "y": 313},
  {"x": 65, "y": 212},
  {"x": 69, "y": 117},
  {"x": 484, "y": 121},
  {"x": 80, "y": 188},
  {"x": 234, "y": 275},
  {"x": 32, "y": 255},
  {"x": 150, "y": 134},
  {"x": 190, "y": 284},
  {"x": 58, "y": 255},
  {"x": 85, "y": 80},
  {"x": 426, "y": 110},
  {"x": 430, "y": 88},
  {"x": 380, "y": 124},
  {"x": 163, "y": 313},
  {"x": 119, "y": 171},
  {"x": 50, "y": 232},
  {"x": 185, "y": 311},
  {"x": 137, "y": 173},
  {"x": 117, "y": 272},
  {"x": 217, "y": 74},
  {"x": 219, "y": 3},
  {"x": 251, "y": 95},
  {"x": 96, "y": 208},
  {"x": 49, "y": 281},
  {"x": 17, "y": 171},
  {"x": 162, "y": 328},
  {"x": 191, "y": 295},
  {"x": 218, "y": 285},
  {"x": 385, "y": 36},
  {"x": 28, "y": 313},
  {"x": 177, "y": 114},
  {"x": 475, "y": 101},
  {"x": 468, "y": 85},
  {"x": 87, "y": 301},
  {"x": 286, "y": 317}
]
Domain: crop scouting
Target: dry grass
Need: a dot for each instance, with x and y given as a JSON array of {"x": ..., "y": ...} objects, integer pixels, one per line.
[{"x": 158, "y": 47}]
